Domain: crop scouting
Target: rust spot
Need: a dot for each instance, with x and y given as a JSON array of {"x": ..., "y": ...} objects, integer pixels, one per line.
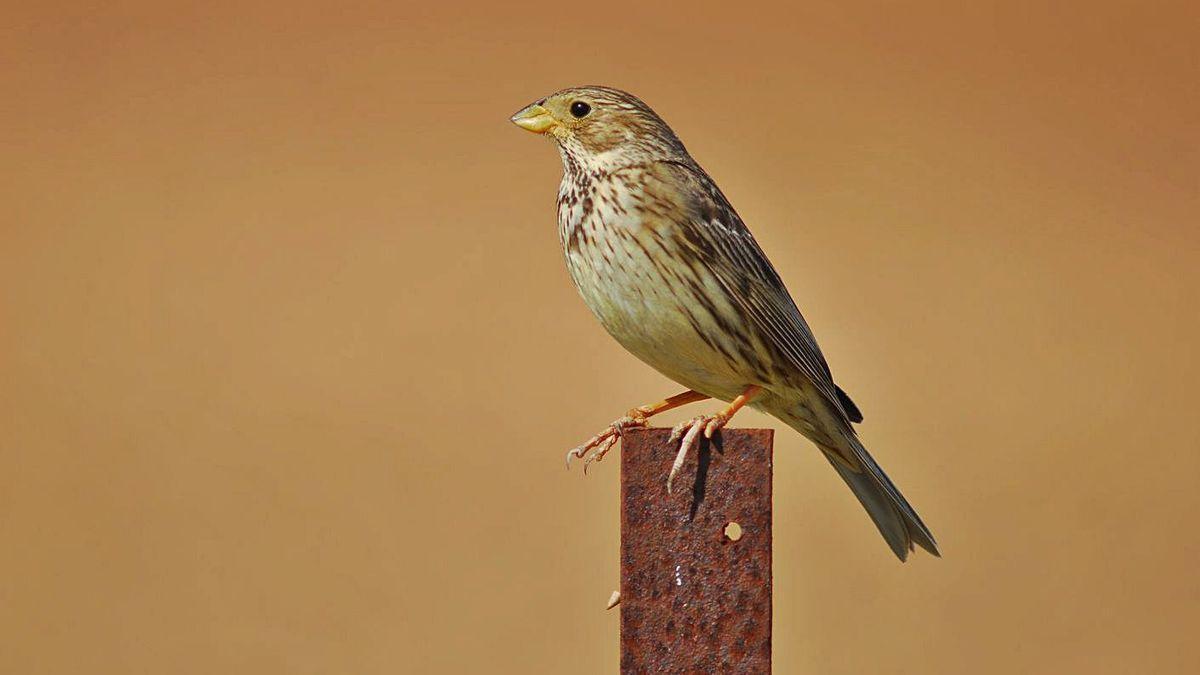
[{"x": 691, "y": 600}]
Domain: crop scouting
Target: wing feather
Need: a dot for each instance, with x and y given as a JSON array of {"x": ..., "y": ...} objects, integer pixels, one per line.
[{"x": 751, "y": 282}]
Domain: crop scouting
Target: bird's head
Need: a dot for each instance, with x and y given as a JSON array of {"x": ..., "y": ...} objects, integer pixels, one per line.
[{"x": 600, "y": 127}]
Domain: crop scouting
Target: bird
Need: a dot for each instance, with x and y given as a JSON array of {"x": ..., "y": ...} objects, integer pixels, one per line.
[{"x": 671, "y": 271}]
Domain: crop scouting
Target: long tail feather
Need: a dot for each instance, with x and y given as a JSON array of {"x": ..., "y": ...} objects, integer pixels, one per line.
[{"x": 896, "y": 519}]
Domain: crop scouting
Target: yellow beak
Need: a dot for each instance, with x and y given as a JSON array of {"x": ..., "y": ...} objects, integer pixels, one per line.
[{"x": 534, "y": 118}]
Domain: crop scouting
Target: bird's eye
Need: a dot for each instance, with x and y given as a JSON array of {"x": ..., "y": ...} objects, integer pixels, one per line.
[{"x": 580, "y": 109}]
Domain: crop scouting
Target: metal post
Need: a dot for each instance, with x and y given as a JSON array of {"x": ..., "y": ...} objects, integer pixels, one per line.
[{"x": 696, "y": 596}]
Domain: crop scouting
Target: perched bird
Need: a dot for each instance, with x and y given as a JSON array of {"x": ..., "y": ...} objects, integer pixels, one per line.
[{"x": 670, "y": 270}]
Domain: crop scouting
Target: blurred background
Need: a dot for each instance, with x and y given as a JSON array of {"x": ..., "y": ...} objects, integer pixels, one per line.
[{"x": 289, "y": 358}]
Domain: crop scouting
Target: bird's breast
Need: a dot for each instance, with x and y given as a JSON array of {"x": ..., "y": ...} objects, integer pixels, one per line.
[{"x": 630, "y": 266}]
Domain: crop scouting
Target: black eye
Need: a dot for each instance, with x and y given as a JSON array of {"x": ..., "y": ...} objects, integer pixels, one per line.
[{"x": 580, "y": 109}]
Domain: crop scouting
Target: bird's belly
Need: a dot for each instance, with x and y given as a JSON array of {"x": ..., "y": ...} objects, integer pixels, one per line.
[{"x": 653, "y": 311}]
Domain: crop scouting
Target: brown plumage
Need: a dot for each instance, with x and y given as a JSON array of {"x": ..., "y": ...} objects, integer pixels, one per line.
[{"x": 673, "y": 274}]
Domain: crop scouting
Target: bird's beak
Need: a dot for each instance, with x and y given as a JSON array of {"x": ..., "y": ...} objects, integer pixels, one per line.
[{"x": 534, "y": 118}]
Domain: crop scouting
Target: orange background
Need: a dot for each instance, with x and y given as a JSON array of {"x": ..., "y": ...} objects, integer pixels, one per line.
[{"x": 289, "y": 359}]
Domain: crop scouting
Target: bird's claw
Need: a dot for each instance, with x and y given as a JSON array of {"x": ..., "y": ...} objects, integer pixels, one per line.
[
  {"x": 689, "y": 431},
  {"x": 599, "y": 445}
]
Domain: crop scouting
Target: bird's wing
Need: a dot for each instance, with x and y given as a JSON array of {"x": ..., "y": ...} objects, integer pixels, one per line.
[{"x": 719, "y": 236}]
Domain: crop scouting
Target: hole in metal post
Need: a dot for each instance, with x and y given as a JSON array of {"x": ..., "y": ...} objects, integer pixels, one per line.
[{"x": 733, "y": 531}]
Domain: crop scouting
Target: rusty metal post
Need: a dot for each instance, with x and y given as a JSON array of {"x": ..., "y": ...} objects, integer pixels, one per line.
[{"x": 696, "y": 597}]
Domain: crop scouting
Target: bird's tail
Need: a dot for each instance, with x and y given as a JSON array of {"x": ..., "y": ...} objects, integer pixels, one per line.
[{"x": 896, "y": 519}]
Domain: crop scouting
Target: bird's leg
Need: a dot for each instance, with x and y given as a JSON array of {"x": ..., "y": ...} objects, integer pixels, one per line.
[
  {"x": 601, "y": 443},
  {"x": 709, "y": 424}
]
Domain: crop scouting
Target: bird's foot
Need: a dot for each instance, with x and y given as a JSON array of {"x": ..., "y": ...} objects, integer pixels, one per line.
[
  {"x": 689, "y": 432},
  {"x": 599, "y": 445}
]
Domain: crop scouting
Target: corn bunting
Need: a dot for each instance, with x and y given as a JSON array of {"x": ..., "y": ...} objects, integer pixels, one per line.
[{"x": 672, "y": 272}]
